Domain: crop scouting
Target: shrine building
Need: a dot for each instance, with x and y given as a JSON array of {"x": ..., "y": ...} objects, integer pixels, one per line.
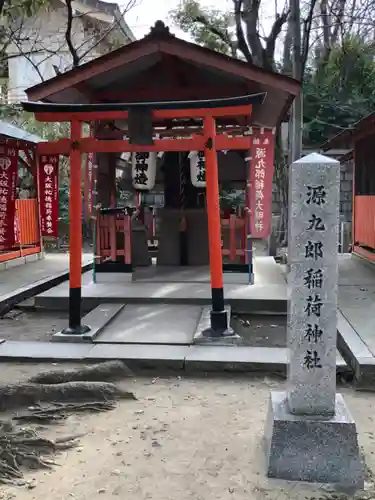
[{"x": 165, "y": 115}]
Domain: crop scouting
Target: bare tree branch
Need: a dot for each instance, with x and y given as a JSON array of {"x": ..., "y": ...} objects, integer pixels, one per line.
[
  {"x": 280, "y": 20},
  {"x": 307, "y": 24},
  {"x": 68, "y": 34}
]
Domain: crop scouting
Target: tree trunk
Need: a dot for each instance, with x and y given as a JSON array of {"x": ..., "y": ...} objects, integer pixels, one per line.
[
  {"x": 282, "y": 184},
  {"x": 296, "y": 139}
]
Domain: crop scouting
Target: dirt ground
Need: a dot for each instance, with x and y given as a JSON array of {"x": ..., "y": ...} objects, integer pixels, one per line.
[
  {"x": 184, "y": 438},
  {"x": 260, "y": 330},
  {"x": 30, "y": 325}
]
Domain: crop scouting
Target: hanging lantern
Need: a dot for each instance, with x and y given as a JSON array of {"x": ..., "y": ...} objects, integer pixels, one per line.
[
  {"x": 143, "y": 170},
  {"x": 197, "y": 169},
  {"x": 125, "y": 156}
]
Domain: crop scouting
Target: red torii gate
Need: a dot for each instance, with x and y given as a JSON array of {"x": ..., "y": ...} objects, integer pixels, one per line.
[{"x": 206, "y": 139}]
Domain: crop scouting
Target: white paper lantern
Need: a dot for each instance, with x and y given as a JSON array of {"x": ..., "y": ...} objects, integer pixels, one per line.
[
  {"x": 143, "y": 171},
  {"x": 198, "y": 169},
  {"x": 125, "y": 156}
]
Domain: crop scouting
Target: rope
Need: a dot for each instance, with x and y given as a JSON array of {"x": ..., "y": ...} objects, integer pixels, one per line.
[
  {"x": 182, "y": 182},
  {"x": 248, "y": 216},
  {"x": 182, "y": 191},
  {"x": 95, "y": 214}
]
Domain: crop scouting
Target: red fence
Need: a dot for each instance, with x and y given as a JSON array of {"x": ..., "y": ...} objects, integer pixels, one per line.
[
  {"x": 364, "y": 221},
  {"x": 27, "y": 222},
  {"x": 233, "y": 231},
  {"x": 26, "y": 229}
]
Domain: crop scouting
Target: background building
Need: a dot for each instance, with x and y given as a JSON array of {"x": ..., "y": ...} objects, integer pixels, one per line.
[{"x": 38, "y": 48}]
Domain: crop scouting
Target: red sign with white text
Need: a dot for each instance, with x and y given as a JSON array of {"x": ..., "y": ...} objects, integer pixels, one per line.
[
  {"x": 48, "y": 182},
  {"x": 89, "y": 185},
  {"x": 262, "y": 160},
  {"x": 8, "y": 192}
]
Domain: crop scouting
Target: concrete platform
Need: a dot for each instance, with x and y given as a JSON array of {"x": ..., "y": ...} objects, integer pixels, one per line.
[
  {"x": 266, "y": 272},
  {"x": 191, "y": 274},
  {"x": 268, "y": 294},
  {"x": 355, "y": 352},
  {"x": 22, "y": 282},
  {"x": 356, "y": 332}
]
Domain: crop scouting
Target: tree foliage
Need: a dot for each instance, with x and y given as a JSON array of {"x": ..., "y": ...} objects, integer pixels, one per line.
[
  {"x": 342, "y": 92},
  {"x": 332, "y": 46},
  {"x": 337, "y": 52},
  {"x": 211, "y": 28}
]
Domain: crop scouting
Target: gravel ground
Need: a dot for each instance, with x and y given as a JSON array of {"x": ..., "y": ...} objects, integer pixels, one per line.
[{"x": 184, "y": 438}]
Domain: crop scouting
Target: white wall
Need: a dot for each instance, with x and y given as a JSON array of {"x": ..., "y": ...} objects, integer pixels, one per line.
[
  {"x": 42, "y": 39},
  {"x": 23, "y": 74}
]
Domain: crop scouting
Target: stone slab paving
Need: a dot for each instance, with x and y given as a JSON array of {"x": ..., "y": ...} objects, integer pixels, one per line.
[
  {"x": 152, "y": 324},
  {"x": 237, "y": 359},
  {"x": 96, "y": 320},
  {"x": 248, "y": 359},
  {"x": 44, "y": 350},
  {"x": 143, "y": 356},
  {"x": 177, "y": 357}
]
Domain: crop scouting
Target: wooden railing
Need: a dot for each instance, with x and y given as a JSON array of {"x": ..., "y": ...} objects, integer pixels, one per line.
[
  {"x": 114, "y": 235},
  {"x": 364, "y": 221},
  {"x": 233, "y": 230}
]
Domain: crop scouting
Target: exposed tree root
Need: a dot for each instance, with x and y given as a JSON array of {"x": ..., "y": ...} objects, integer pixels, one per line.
[
  {"x": 101, "y": 372},
  {"x": 22, "y": 449},
  {"x": 27, "y": 394},
  {"x": 60, "y": 411},
  {"x": 51, "y": 397}
]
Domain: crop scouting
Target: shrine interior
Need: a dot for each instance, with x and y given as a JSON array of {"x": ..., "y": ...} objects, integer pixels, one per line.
[{"x": 175, "y": 231}]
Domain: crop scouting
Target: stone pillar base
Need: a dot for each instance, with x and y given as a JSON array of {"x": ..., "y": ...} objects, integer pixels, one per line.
[
  {"x": 206, "y": 336},
  {"x": 314, "y": 449}
]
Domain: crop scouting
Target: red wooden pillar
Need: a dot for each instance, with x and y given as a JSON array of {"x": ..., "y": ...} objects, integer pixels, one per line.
[
  {"x": 219, "y": 318},
  {"x": 75, "y": 235}
]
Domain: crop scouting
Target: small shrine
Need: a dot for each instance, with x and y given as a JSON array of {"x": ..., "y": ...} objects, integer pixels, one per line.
[{"x": 169, "y": 116}]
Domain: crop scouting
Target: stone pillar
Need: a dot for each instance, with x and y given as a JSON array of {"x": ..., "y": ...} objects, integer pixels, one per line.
[
  {"x": 312, "y": 284},
  {"x": 310, "y": 434}
]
